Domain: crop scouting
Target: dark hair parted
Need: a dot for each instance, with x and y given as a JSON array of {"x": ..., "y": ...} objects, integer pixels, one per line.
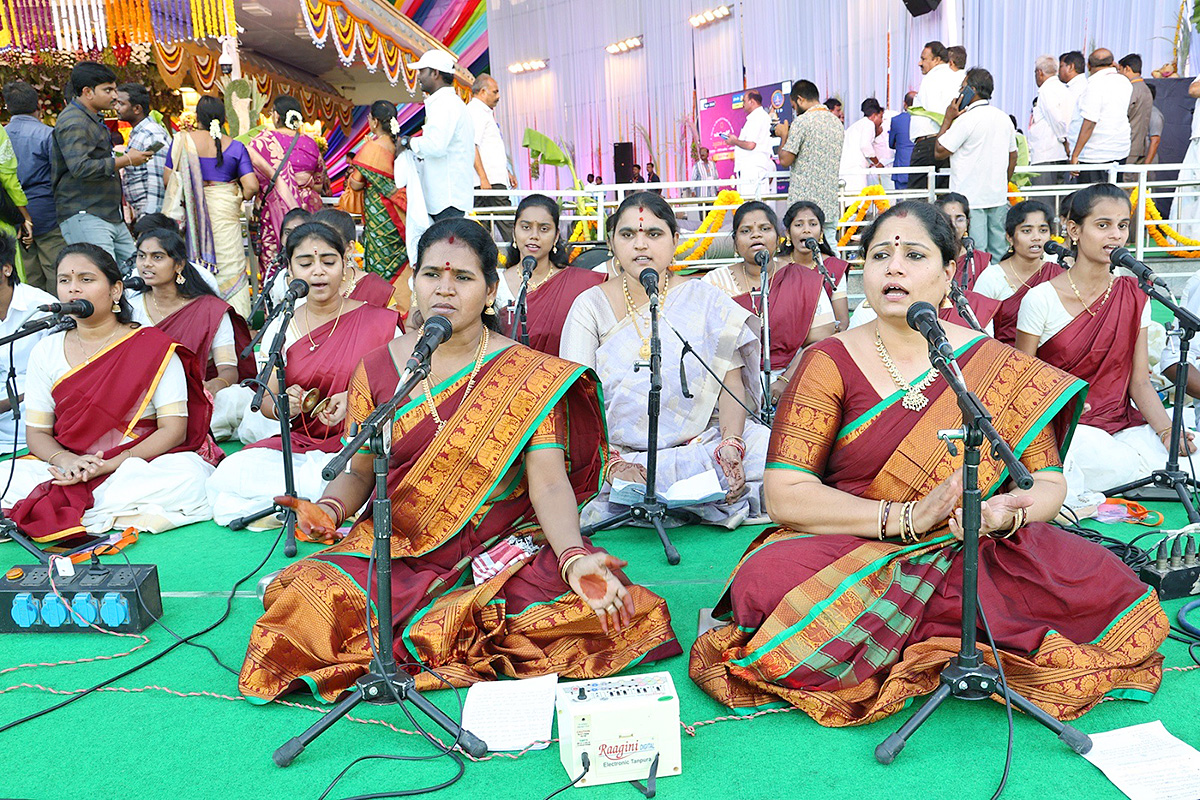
[
  {"x": 935, "y": 223},
  {"x": 340, "y": 221},
  {"x": 652, "y": 203},
  {"x": 1084, "y": 200},
  {"x": 209, "y": 109},
  {"x": 558, "y": 253},
  {"x": 947, "y": 198},
  {"x": 1017, "y": 214},
  {"x": 315, "y": 230},
  {"x": 107, "y": 265},
  {"x": 477, "y": 239},
  {"x": 749, "y": 207}
]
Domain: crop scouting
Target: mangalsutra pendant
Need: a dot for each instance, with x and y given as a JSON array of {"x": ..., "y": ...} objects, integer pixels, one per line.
[{"x": 644, "y": 352}]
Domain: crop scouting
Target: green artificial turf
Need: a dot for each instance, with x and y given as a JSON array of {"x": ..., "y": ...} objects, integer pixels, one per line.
[{"x": 144, "y": 742}]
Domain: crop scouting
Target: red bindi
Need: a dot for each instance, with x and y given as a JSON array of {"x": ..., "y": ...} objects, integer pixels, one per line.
[{"x": 450, "y": 240}]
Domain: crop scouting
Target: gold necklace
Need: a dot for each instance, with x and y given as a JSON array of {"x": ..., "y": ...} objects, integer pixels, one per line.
[
  {"x": 913, "y": 399},
  {"x": 644, "y": 351},
  {"x": 1086, "y": 307},
  {"x": 749, "y": 288},
  {"x": 542, "y": 282},
  {"x": 433, "y": 412},
  {"x": 87, "y": 359},
  {"x": 308, "y": 318}
]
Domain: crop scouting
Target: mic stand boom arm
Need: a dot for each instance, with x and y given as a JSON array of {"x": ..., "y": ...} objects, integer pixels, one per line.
[{"x": 520, "y": 326}]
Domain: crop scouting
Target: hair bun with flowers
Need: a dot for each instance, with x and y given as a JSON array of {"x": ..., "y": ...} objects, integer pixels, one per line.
[
  {"x": 293, "y": 119},
  {"x": 394, "y": 126},
  {"x": 214, "y": 129}
]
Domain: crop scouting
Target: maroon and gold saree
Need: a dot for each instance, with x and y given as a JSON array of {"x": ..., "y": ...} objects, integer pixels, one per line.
[
  {"x": 793, "y": 302},
  {"x": 1004, "y": 324},
  {"x": 1099, "y": 349},
  {"x": 195, "y": 325},
  {"x": 327, "y": 367},
  {"x": 99, "y": 404},
  {"x": 984, "y": 308},
  {"x": 549, "y": 303},
  {"x": 455, "y": 494},
  {"x": 849, "y": 629},
  {"x": 376, "y": 291}
]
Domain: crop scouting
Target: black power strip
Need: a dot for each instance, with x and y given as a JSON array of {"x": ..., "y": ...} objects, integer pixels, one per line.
[{"x": 122, "y": 598}]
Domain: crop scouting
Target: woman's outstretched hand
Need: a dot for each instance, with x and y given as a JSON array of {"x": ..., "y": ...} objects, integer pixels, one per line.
[
  {"x": 592, "y": 578},
  {"x": 313, "y": 524}
]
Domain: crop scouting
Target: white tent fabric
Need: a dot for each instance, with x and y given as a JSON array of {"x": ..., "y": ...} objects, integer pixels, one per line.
[{"x": 589, "y": 99}]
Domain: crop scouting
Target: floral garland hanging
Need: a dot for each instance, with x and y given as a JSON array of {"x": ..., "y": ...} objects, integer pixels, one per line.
[
  {"x": 858, "y": 209},
  {"x": 695, "y": 248},
  {"x": 1161, "y": 231}
]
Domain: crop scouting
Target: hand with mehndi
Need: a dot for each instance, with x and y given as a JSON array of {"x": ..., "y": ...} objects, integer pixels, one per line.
[
  {"x": 313, "y": 523},
  {"x": 592, "y": 578}
]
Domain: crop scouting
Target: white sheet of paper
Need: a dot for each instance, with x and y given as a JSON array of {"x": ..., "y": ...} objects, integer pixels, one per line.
[
  {"x": 1147, "y": 763},
  {"x": 698, "y": 489},
  {"x": 511, "y": 715}
]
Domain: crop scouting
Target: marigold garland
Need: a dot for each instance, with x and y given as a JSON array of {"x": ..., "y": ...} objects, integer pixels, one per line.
[
  {"x": 1014, "y": 196},
  {"x": 694, "y": 249},
  {"x": 1160, "y": 231},
  {"x": 858, "y": 210}
]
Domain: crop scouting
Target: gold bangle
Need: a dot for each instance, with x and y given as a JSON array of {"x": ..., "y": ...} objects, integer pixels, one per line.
[
  {"x": 53, "y": 456},
  {"x": 566, "y": 567},
  {"x": 222, "y": 380}
]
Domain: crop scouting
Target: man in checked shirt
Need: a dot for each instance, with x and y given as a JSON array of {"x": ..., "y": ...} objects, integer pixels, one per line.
[{"x": 143, "y": 185}]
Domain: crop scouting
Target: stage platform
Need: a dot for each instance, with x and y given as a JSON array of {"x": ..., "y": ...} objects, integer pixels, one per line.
[{"x": 179, "y": 730}]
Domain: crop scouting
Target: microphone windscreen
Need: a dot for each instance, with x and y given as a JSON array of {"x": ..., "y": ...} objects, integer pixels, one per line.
[
  {"x": 134, "y": 283},
  {"x": 84, "y": 309},
  {"x": 918, "y": 310},
  {"x": 439, "y": 325},
  {"x": 649, "y": 280},
  {"x": 298, "y": 288},
  {"x": 761, "y": 258}
]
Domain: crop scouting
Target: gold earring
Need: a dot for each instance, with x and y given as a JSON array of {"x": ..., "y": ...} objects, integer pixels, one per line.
[
  {"x": 116, "y": 307},
  {"x": 179, "y": 278},
  {"x": 490, "y": 310}
]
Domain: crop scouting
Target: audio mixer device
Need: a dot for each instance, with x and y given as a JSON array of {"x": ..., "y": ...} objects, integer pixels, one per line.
[
  {"x": 96, "y": 594},
  {"x": 623, "y": 724}
]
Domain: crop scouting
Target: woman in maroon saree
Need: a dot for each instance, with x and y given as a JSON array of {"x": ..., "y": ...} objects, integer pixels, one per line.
[
  {"x": 851, "y": 607},
  {"x": 804, "y": 223},
  {"x": 1093, "y": 325},
  {"x": 1028, "y": 228},
  {"x": 487, "y": 472},
  {"x": 554, "y": 284},
  {"x": 115, "y": 414},
  {"x": 798, "y": 310},
  {"x": 327, "y": 337}
]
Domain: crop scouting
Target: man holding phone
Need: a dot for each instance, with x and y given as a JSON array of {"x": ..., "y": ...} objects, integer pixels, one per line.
[
  {"x": 981, "y": 143},
  {"x": 143, "y": 184}
]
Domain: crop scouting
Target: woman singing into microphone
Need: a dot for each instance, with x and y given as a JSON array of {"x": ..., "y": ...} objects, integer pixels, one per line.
[
  {"x": 804, "y": 220},
  {"x": 326, "y": 338},
  {"x": 115, "y": 414},
  {"x": 491, "y": 457}
]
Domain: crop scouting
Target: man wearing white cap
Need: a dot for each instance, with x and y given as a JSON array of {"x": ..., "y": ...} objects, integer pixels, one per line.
[{"x": 446, "y": 146}]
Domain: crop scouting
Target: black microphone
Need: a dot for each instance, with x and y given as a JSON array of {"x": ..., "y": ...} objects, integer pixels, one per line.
[
  {"x": 649, "y": 280},
  {"x": 76, "y": 308},
  {"x": 296, "y": 289},
  {"x": 134, "y": 283},
  {"x": 923, "y": 318},
  {"x": 437, "y": 330},
  {"x": 1123, "y": 258},
  {"x": 1053, "y": 248},
  {"x": 968, "y": 244},
  {"x": 528, "y": 264},
  {"x": 761, "y": 258},
  {"x": 811, "y": 244}
]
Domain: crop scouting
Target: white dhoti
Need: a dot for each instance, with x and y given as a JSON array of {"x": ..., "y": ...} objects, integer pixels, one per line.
[
  {"x": 1098, "y": 460},
  {"x": 1186, "y": 204},
  {"x": 753, "y": 183},
  {"x": 230, "y": 406}
]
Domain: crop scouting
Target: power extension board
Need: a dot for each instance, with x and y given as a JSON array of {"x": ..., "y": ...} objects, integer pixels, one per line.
[
  {"x": 101, "y": 595},
  {"x": 1175, "y": 570}
]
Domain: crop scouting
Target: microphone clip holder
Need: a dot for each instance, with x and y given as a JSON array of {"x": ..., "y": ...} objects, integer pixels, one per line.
[
  {"x": 385, "y": 683},
  {"x": 967, "y": 676}
]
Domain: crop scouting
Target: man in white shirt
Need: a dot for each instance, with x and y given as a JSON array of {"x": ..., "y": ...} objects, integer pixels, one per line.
[
  {"x": 18, "y": 303},
  {"x": 491, "y": 161},
  {"x": 1071, "y": 74},
  {"x": 981, "y": 143},
  {"x": 1052, "y": 109},
  {"x": 1186, "y": 206},
  {"x": 752, "y": 150},
  {"x": 1100, "y": 130},
  {"x": 446, "y": 146},
  {"x": 858, "y": 148},
  {"x": 939, "y": 86}
]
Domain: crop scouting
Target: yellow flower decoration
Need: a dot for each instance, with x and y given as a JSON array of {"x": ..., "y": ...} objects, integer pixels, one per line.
[
  {"x": 1161, "y": 231},
  {"x": 694, "y": 248},
  {"x": 1015, "y": 198},
  {"x": 858, "y": 209}
]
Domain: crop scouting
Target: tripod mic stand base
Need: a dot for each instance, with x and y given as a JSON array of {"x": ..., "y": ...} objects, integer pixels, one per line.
[
  {"x": 1178, "y": 484},
  {"x": 289, "y": 522},
  {"x": 976, "y": 681},
  {"x": 653, "y": 512}
]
